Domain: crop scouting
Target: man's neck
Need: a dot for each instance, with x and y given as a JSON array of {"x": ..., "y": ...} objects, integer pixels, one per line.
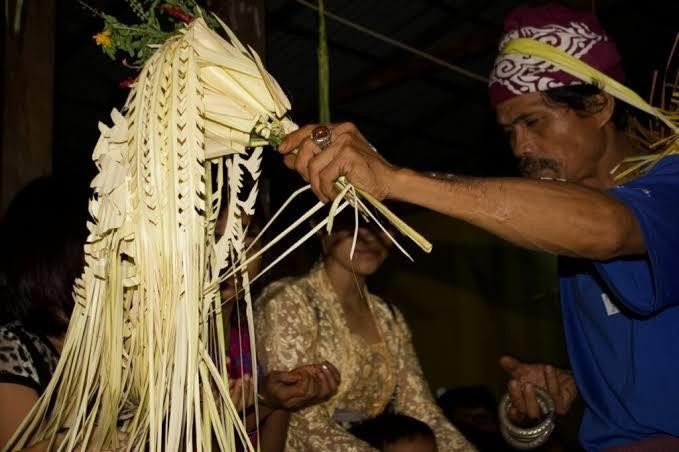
[{"x": 618, "y": 147}]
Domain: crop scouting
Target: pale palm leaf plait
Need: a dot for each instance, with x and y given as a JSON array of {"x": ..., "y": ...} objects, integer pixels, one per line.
[{"x": 144, "y": 361}]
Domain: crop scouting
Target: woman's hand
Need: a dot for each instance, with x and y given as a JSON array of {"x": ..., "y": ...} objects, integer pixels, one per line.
[
  {"x": 242, "y": 392},
  {"x": 559, "y": 383},
  {"x": 300, "y": 387}
]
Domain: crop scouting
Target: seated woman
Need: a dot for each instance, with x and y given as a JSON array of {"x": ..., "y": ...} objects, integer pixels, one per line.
[
  {"x": 43, "y": 234},
  {"x": 329, "y": 314}
]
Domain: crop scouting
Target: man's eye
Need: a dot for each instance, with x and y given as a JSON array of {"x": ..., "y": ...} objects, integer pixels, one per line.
[{"x": 530, "y": 122}]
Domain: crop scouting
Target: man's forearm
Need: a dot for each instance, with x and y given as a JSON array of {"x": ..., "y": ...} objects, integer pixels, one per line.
[{"x": 556, "y": 217}]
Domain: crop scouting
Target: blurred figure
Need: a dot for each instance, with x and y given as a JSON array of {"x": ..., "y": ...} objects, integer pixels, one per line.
[
  {"x": 473, "y": 409},
  {"x": 396, "y": 433},
  {"x": 279, "y": 391},
  {"x": 43, "y": 234}
]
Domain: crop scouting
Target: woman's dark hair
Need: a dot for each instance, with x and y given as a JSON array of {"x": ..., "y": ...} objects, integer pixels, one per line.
[
  {"x": 586, "y": 100},
  {"x": 42, "y": 240},
  {"x": 389, "y": 428}
]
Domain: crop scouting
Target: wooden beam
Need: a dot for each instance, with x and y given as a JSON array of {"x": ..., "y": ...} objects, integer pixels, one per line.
[
  {"x": 28, "y": 93},
  {"x": 401, "y": 69},
  {"x": 247, "y": 18}
]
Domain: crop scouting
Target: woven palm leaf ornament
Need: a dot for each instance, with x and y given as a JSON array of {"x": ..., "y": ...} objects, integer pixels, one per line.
[{"x": 144, "y": 361}]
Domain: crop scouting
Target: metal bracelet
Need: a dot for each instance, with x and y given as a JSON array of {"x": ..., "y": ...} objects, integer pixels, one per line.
[{"x": 532, "y": 437}]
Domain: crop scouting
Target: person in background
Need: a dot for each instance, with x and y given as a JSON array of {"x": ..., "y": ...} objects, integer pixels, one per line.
[
  {"x": 473, "y": 409},
  {"x": 396, "y": 433},
  {"x": 280, "y": 392},
  {"x": 329, "y": 314},
  {"x": 616, "y": 239},
  {"x": 42, "y": 240},
  {"x": 42, "y": 237}
]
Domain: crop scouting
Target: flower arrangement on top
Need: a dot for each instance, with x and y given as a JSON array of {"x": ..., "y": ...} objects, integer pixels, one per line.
[
  {"x": 140, "y": 40},
  {"x": 144, "y": 357}
]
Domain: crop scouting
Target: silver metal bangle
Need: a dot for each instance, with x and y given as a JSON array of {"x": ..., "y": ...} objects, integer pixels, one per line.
[{"x": 532, "y": 437}]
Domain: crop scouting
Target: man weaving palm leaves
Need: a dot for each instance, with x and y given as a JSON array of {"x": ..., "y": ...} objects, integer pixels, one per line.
[{"x": 616, "y": 239}]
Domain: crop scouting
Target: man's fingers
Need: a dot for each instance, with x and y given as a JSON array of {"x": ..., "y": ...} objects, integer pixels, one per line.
[
  {"x": 347, "y": 128},
  {"x": 293, "y": 140},
  {"x": 315, "y": 166},
  {"x": 330, "y": 174},
  {"x": 289, "y": 160},
  {"x": 306, "y": 151},
  {"x": 532, "y": 407},
  {"x": 523, "y": 400},
  {"x": 510, "y": 364},
  {"x": 554, "y": 389},
  {"x": 516, "y": 396}
]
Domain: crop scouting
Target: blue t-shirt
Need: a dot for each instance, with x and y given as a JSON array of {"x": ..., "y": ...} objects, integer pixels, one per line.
[{"x": 621, "y": 320}]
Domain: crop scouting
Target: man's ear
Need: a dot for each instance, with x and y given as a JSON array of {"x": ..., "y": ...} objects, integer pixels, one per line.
[{"x": 605, "y": 115}]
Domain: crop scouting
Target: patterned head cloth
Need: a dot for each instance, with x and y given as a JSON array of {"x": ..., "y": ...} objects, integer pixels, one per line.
[{"x": 577, "y": 33}]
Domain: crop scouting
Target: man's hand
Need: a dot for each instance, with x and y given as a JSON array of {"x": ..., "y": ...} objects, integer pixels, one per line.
[
  {"x": 559, "y": 383},
  {"x": 301, "y": 387},
  {"x": 349, "y": 154}
]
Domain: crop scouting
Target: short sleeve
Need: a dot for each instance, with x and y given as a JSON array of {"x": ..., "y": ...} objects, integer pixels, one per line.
[
  {"x": 649, "y": 283},
  {"x": 16, "y": 365}
]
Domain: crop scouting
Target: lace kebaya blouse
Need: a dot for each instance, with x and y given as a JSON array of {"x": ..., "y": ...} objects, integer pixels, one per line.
[{"x": 300, "y": 321}]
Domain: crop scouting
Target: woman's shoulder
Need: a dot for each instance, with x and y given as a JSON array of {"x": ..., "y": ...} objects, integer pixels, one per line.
[
  {"x": 13, "y": 347},
  {"x": 285, "y": 293}
]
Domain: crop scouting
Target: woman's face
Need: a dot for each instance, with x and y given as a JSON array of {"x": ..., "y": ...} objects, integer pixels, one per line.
[
  {"x": 372, "y": 248},
  {"x": 229, "y": 287}
]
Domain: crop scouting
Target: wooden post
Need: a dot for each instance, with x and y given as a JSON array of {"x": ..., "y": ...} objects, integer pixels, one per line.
[
  {"x": 28, "y": 93},
  {"x": 247, "y": 18}
]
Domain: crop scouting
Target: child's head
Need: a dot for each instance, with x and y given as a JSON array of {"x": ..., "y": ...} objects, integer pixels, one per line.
[
  {"x": 417, "y": 443},
  {"x": 396, "y": 433}
]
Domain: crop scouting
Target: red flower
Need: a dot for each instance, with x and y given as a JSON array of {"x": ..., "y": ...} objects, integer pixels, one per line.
[
  {"x": 127, "y": 83},
  {"x": 177, "y": 13}
]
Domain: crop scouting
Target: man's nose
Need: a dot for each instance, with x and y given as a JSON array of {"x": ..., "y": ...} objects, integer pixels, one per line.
[{"x": 523, "y": 143}]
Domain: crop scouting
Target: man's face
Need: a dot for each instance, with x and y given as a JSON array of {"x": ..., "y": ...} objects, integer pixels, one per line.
[{"x": 552, "y": 142}]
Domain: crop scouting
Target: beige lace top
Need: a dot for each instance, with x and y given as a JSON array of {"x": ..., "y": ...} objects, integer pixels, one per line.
[{"x": 299, "y": 321}]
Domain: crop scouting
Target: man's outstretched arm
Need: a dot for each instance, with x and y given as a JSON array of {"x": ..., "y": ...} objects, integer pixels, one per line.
[{"x": 556, "y": 217}]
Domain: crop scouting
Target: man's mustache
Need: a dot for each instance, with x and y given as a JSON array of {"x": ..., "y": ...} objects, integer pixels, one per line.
[{"x": 529, "y": 166}]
